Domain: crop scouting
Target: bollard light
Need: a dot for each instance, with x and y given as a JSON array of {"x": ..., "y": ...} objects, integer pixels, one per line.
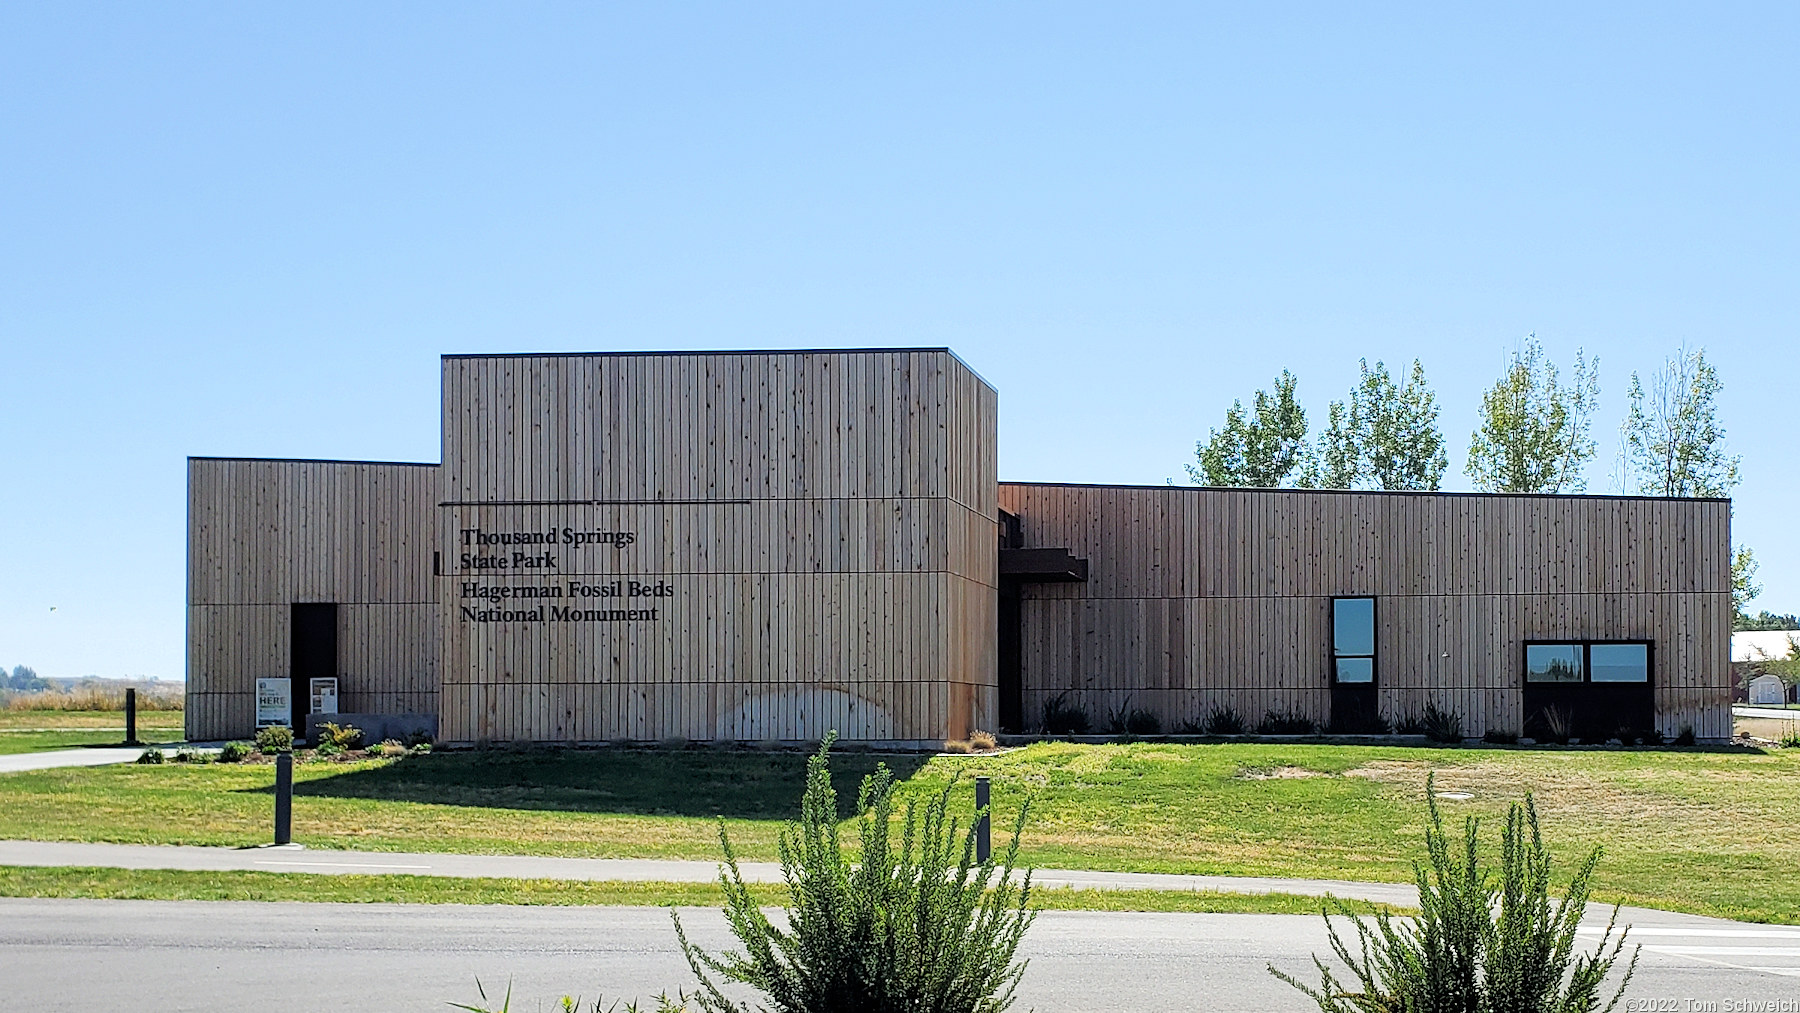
[
  {"x": 131, "y": 738},
  {"x": 284, "y": 797},
  {"x": 983, "y": 847}
]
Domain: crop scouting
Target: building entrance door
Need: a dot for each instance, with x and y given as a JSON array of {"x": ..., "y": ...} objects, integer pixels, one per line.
[{"x": 312, "y": 654}]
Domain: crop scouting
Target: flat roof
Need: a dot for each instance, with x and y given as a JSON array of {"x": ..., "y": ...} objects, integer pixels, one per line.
[
  {"x": 314, "y": 460},
  {"x": 723, "y": 351},
  {"x": 1376, "y": 492}
]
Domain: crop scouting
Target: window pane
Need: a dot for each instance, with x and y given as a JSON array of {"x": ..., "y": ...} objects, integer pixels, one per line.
[
  {"x": 1353, "y": 626},
  {"x": 1356, "y": 670},
  {"x": 1553, "y": 662},
  {"x": 1619, "y": 662}
]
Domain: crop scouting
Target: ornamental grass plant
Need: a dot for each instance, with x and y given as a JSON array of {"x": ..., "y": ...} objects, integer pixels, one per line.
[
  {"x": 1482, "y": 942},
  {"x": 915, "y": 925}
]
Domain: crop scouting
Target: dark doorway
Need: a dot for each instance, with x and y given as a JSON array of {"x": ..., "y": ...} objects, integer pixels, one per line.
[
  {"x": 1012, "y": 696},
  {"x": 313, "y": 654}
]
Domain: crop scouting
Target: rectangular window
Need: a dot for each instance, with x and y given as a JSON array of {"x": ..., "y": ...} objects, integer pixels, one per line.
[
  {"x": 1353, "y": 640},
  {"x": 1588, "y": 661},
  {"x": 1619, "y": 662},
  {"x": 1553, "y": 663}
]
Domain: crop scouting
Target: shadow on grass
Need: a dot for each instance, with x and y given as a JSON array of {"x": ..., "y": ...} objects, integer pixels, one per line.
[{"x": 732, "y": 783}]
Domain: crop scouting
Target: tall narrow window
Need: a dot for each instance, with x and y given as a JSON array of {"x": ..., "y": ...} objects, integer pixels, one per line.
[{"x": 1353, "y": 640}]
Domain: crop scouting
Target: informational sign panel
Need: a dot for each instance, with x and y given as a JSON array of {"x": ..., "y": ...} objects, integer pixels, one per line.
[
  {"x": 324, "y": 695},
  {"x": 274, "y": 702}
]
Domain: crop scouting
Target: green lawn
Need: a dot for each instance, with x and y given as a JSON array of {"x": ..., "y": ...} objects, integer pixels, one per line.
[
  {"x": 31, "y": 731},
  {"x": 1702, "y": 831},
  {"x": 162, "y": 884}
]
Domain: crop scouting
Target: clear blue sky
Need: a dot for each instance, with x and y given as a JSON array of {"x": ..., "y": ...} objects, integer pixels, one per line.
[{"x": 250, "y": 229}]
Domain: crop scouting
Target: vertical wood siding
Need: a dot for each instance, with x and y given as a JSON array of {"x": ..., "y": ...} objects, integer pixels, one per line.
[
  {"x": 1204, "y": 596},
  {"x": 265, "y": 534},
  {"x": 825, "y": 522}
]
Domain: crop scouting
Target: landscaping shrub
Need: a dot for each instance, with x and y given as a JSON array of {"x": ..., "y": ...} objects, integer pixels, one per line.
[
  {"x": 342, "y": 736},
  {"x": 275, "y": 739},
  {"x": 416, "y": 739},
  {"x": 983, "y": 741},
  {"x": 419, "y": 748},
  {"x": 234, "y": 752},
  {"x": 151, "y": 755},
  {"x": 958, "y": 746},
  {"x": 1499, "y": 738},
  {"x": 1481, "y": 942},
  {"x": 185, "y": 755},
  {"x": 1221, "y": 719},
  {"x": 917, "y": 927},
  {"x": 326, "y": 747},
  {"x": 388, "y": 747},
  {"x": 1442, "y": 725},
  {"x": 1062, "y": 717},
  {"x": 1790, "y": 739},
  {"x": 1686, "y": 738},
  {"x": 1286, "y": 723},
  {"x": 1129, "y": 720}
]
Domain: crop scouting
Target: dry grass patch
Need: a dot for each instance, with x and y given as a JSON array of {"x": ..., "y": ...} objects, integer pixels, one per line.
[{"x": 1275, "y": 773}]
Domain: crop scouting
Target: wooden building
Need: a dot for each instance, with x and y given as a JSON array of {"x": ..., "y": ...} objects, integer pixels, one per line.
[
  {"x": 1499, "y": 608},
  {"x": 631, "y": 546},
  {"x": 770, "y": 545}
]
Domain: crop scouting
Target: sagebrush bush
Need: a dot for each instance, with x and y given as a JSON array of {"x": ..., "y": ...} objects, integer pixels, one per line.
[
  {"x": 275, "y": 739},
  {"x": 908, "y": 929},
  {"x": 1481, "y": 943}
]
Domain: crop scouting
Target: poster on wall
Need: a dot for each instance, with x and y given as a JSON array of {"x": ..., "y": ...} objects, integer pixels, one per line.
[
  {"x": 324, "y": 695},
  {"x": 274, "y": 702}
]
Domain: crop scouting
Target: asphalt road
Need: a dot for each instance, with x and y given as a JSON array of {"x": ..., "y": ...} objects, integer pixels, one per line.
[{"x": 82, "y": 955}]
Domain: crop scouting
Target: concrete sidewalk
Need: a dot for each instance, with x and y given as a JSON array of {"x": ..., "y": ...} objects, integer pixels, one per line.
[
  {"x": 294, "y": 859},
  {"x": 92, "y": 756}
]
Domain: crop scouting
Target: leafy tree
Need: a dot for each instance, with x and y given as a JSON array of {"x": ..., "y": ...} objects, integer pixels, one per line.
[
  {"x": 1673, "y": 442},
  {"x": 1534, "y": 431},
  {"x": 1337, "y": 461},
  {"x": 1766, "y": 620},
  {"x": 1260, "y": 449},
  {"x": 1402, "y": 442},
  {"x": 1744, "y": 587},
  {"x": 25, "y": 680},
  {"x": 1386, "y": 436}
]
